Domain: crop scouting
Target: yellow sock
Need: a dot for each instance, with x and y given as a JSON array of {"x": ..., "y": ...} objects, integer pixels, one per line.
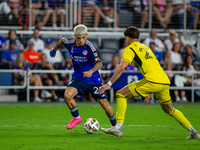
[
  {"x": 176, "y": 114},
  {"x": 121, "y": 108}
]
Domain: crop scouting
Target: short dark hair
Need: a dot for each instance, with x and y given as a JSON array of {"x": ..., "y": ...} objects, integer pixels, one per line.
[{"x": 132, "y": 32}]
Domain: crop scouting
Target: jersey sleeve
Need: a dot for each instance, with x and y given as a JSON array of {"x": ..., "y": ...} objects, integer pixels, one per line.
[
  {"x": 93, "y": 52},
  {"x": 128, "y": 55}
]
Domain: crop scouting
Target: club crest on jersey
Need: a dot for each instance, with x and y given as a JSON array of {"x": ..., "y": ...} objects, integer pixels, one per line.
[
  {"x": 72, "y": 49},
  {"x": 95, "y": 54},
  {"x": 85, "y": 52}
]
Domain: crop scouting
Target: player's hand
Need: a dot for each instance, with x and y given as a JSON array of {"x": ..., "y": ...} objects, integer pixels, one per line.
[
  {"x": 87, "y": 74},
  {"x": 103, "y": 88},
  {"x": 147, "y": 98},
  {"x": 52, "y": 53}
]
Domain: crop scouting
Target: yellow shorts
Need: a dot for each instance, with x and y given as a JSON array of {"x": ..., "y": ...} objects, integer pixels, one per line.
[{"x": 145, "y": 88}]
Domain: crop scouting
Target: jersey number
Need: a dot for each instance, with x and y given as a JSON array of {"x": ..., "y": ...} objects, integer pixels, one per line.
[
  {"x": 147, "y": 53},
  {"x": 96, "y": 90}
]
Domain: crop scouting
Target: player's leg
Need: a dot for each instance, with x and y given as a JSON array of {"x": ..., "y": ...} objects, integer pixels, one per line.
[
  {"x": 121, "y": 96},
  {"x": 102, "y": 99},
  {"x": 176, "y": 114},
  {"x": 69, "y": 94},
  {"x": 166, "y": 104},
  {"x": 109, "y": 110}
]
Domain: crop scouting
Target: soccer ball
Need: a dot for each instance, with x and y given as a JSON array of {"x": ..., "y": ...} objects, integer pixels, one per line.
[{"x": 91, "y": 125}]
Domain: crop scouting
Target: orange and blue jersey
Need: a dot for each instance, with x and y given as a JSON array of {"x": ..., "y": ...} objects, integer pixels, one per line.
[{"x": 83, "y": 58}]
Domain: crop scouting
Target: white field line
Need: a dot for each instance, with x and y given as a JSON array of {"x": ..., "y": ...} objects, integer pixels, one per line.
[{"x": 56, "y": 126}]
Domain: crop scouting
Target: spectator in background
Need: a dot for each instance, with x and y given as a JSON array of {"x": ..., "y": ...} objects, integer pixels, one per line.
[
  {"x": 159, "y": 56},
  {"x": 5, "y": 8},
  {"x": 13, "y": 36},
  {"x": 49, "y": 46},
  {"x": 38, "y": 43},
  {"x": 195, "y": 9},
  {"x": 91, "y": 8},
  {"x": 139, "y": 7},
  {"x": 177, "y": 10},
  {"x": 177, "y": 80},
  {"x": 2, "y": 42},
  {"x": 175, "y": 54},
  {"x": 51, "y": 9},
  {"x": 38, "y": 25},
  {"x": 30, "y": 54},
  {"x": 188, "y": 51},
  {"x": 190, "y": 67},
  {"x": 15, "y": 10},
  {"x": 108, "y": 9},
  {"x": 35, "y": 79},
  {"x": 153, "y": 37},
  {"x": 9, "y": 56},
  {"x": 39, "y": 8},
  {"x": 170, "y": 42},
  {"x": 56, "y": 8},
  {"x": 66, "y": 65},
  {"x": 48, "y": 78},
  {"x": 159, "y": 9}
]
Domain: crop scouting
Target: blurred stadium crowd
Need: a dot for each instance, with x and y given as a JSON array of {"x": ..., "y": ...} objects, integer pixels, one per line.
[{"x": 176, "y": 51}]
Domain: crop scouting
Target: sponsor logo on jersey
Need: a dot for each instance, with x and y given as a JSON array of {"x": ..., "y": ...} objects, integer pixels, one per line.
[
  {"x": 85, "y": 52},
  {"x": 95, "y": 54}
]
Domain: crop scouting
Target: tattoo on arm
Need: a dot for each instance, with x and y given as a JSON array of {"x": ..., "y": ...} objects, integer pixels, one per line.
[
  {"x": 97, "y": 66},
  {"x": 59, "y": 44}
]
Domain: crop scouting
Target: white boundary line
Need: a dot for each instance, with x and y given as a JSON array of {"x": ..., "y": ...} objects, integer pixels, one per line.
[{"x": 55, "y": 126}]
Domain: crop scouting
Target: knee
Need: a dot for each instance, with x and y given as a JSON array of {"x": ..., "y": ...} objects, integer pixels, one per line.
[
  {"x": 104, "y": 104},
  {"x": 168, "y": 110},
  {"x": 67, "y": 96},
  {"x": 49, "y": 82}
]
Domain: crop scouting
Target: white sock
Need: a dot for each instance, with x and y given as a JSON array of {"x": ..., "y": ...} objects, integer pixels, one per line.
[
  {"x": 118, "y": 125},
  {"x": 192, "y": 130},
  {"x": 54, "y": 25}
]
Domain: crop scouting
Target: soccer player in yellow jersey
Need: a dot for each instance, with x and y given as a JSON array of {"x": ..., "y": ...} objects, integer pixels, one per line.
[{"x": 155, "y": 81}]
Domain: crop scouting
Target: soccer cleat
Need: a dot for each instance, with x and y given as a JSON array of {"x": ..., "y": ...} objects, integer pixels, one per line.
[
  {"x": 114, "y": 131},
  {"x": 194, "y": 136},
  {"x": 74, "y": 122}
]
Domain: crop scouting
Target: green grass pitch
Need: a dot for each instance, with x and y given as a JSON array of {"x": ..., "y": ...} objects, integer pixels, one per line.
[{"x": 43, "y": 126}]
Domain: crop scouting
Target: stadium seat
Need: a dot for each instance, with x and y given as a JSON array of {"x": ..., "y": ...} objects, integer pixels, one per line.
[
  {"x": 106, "y": 55},
  {"x": 110, "y": 44},
  {"x": 125, "y": 20}
]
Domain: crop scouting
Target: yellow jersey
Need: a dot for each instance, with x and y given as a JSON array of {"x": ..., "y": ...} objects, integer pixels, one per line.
[{"x": 144, "y": 59}]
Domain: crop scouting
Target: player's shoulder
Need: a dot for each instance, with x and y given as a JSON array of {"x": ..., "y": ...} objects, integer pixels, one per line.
[
  {"x": 68, "y": 41},
  {"x": 90, "y": 45}
]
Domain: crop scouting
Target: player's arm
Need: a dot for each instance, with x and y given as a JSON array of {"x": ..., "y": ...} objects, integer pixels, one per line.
[
  {"x": 118, "y": 71},
  {"x": 97, "y": 66},
  {"x": 58, "y": 45}
]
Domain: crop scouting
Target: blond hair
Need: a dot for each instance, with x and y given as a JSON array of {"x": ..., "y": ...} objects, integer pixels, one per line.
[{"x": 80, "y": 29}]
